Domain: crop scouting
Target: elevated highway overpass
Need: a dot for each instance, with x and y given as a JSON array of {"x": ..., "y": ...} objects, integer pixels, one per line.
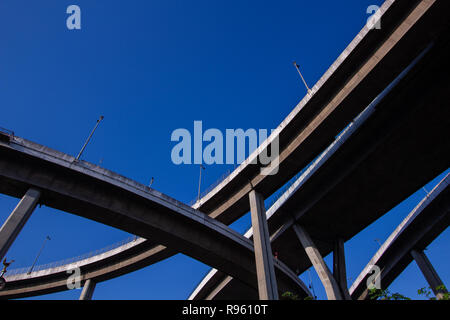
[
  {"x": 425, "y": 223},
  {"x": 398, "y": 149},
  {"x": 420, "y": 227},
  {"x": 365, "y": 68},
  {"x": 371, "y": 61},
  {"x": 81, "y": 188}
]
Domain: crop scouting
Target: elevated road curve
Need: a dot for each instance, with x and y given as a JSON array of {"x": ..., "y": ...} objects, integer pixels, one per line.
[
  {"x": 126, "y": 258},
  {"x": 425, "y": 223},
  {"x": 371, "y": 61},
  {"x": 364, "y": 69},
  {"x": 394, "y": 148}
]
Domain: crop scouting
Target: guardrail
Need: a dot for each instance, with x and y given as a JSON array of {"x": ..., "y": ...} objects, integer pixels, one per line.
[{"x": 71, "y": 260}]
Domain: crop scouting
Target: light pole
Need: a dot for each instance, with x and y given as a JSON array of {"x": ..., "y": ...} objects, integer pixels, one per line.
[
  {"x": 301, "y": 76},
  {"x": 89, "y": 138},
  {"x": 200, "y": 181},
  {"x": 45, "y": 240},
  {"x": 378, "y": 241}
]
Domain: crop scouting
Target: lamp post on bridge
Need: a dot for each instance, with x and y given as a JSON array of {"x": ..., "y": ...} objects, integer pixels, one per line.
[
  {"x": 45, "y": 240},
  {"x": 301, "y": 76},
  {"x": 200, "y": 181},
  {"x": 89, "y": 138}
]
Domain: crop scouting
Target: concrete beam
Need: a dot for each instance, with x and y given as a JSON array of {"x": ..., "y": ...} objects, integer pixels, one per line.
[
  {"x": 219, "y": 288},
  {"x": 420, "y": 227},
  {"x": 267, "y": 283},
  {"x": 17, "y": 219},
  {"x": 430, "y": 274},
  {"x": 339, "y": 269},
  {"x": 331, "y": 287},
  {"x": 88, "y": 290}
]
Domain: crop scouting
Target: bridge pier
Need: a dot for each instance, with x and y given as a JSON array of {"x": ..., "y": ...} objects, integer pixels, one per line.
[
  {"x": 339, "y": 269},
  {"x": 88, "y": 290},
  {"x": 17, "y": 219},
  {"x": 267, "y": 283},
  {"x": 430, "y": 274},
  {"x": 331, "y": 286}
]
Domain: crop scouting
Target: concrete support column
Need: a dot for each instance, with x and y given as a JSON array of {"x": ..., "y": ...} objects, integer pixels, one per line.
[
  {"x": 267, "y": 283},
  {"x": 430, "y": 274},
  {"x": 88, "y": 290},
  {"x": 339, "y": 269},
  {"x": 331, "y": 287},
  {"x": 17, "y": 219}
]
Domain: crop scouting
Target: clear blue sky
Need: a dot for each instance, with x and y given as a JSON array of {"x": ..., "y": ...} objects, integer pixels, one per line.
[{"x": 151, "y": 67}]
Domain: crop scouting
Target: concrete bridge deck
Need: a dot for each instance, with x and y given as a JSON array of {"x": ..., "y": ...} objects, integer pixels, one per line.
[
  {"x": 388, "y": 158},
  {"x": 95, "y": 193},
  {"x": 371, "y": 61},
  {"x": 425, "y": 223}
]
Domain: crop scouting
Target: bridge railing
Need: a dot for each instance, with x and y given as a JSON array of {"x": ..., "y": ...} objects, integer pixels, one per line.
[
  {"x": 211, "y": 186},
  {"x": 71, "y": 260},
  {"x": 6, "y": 135}
]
